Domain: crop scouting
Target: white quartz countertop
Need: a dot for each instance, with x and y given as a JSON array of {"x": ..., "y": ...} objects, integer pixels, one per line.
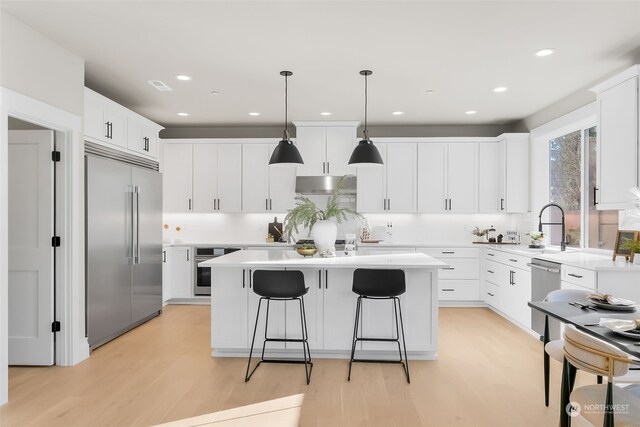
[
  {"x": 284, "y": 259},
  {"x": 229, "y": 244}
]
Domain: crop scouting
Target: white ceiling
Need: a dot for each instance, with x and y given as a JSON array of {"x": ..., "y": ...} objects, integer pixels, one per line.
[{"x": 461, "y": 50}]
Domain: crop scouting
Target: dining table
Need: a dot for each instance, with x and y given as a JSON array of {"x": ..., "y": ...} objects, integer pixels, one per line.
[{"x": 585, "y": 317}]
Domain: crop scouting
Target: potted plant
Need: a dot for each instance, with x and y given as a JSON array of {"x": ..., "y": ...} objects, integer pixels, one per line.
[
  {"x": 321, "y": 223},
  {"x": 536, "y": 239},
  {"x": 634, "y": 247},
  {"x": 480, "y": 233}
]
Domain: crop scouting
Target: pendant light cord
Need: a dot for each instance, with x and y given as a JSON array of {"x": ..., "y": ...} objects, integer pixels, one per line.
[
  {"x": 366, "y": 133},
  {"x": 286, "y": 108}
]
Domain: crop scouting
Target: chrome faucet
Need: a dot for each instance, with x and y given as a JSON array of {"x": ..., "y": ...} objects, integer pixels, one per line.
[{"x": 563, "y": 242}]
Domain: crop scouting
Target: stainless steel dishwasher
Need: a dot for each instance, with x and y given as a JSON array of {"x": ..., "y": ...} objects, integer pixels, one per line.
[{"x": 545, "y": 277}]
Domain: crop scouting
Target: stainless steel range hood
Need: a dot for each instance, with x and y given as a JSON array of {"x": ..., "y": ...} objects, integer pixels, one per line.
[{"x": 325, "y": 184}]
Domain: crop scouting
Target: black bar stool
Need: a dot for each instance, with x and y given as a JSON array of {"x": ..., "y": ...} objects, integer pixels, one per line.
[
  {"x": 379, "y": 284},
  {"x": 280, "y": 285}
]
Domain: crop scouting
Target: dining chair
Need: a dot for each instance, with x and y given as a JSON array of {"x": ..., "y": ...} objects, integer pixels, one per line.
[{"x": 601, "y": 404}]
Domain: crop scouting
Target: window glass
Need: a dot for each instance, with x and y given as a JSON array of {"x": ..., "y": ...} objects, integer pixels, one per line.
[
  {"x": 565, "y": 188},
  {"x": 603, "y": 225}
]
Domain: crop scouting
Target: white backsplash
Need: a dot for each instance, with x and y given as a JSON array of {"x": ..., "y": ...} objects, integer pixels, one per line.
[{"x": 407, "y": 228}]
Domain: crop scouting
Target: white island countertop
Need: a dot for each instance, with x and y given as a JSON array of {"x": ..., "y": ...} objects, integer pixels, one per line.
[{"x": 284, "y": 259}]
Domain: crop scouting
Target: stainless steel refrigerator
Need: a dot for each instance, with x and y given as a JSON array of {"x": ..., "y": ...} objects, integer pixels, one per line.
[{"x": 123, "y": 247}]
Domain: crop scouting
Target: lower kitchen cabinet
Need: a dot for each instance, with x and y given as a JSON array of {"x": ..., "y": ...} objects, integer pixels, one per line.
[
  {"x": 340, "y": 303},
  {"x": 181, "y": 267},
  {"x": 516, "y": 296},
  {"x": 166, "y": 273},
  {"x": 229, "y": 306},
  {"x": 459, "y": 281}
]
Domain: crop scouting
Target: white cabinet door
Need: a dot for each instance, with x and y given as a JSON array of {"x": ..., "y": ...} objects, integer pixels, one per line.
[
  {"x": 167, "y": 254},
  {"x": 118, "y": 127},
  {"x": 255, "y": 177},
  {"x": 488, "y": 175},
  {"x": 462, "y": 177},
  {"x": 182, "y": 272},
  {"x": 311, "y": 142},
  {"x": 177, "y": 178},
  {"x": 516, "y": 295},
  {"x": 338, "y": 323},
  {"x": 135, "y": 140},
  {"x": 276, "y": 327},
  {"x": 340, "y": 144},
  {"x": 617, "y": 144},
  {"x": 282, "y": 187},
  {"x": 229, "y": 308},
  {"x": 370, "y": 186},
  {"x": 418, "y": 321},
  {"x": 432, "y": 169},
  {"x": 205, "y": 177},
  {"x": 229, "y": 179},
  {"x": 400, "y": 167},
  {"x": 516, "y": 178},
  {"x": 151, "y": 134},
  {"x": 313, "y": 304},
  {"x": 94, "y": 122}
]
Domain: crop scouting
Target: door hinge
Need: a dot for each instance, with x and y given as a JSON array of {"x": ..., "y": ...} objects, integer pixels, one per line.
[
  {"x": 55, "y": 326},
  {"x": 55, "y": 241},
  {"x": 55, "y": 156}
]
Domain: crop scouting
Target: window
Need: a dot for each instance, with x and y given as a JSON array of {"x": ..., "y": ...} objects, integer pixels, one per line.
[{"x": 585, "y": 225}]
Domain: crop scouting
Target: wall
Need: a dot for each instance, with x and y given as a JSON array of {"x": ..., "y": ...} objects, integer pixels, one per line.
[
  {"x": 52, "y": 80},
  {"x": 374, "y": 131},
  {"x": 35, "y": 66}
]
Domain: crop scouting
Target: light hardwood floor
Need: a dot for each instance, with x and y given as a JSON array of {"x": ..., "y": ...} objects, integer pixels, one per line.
[{"x": 489, "y": 373}]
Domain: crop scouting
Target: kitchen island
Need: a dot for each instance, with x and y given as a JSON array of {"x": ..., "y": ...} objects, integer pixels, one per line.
[{"x": 330, "y": 305}]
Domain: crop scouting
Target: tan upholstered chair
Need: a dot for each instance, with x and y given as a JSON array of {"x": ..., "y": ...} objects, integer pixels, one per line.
[{"x": 602, "y": 404}]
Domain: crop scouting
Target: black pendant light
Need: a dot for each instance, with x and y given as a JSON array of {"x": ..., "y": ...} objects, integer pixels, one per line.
[
  {"x": 285, "y": 153},
  {"x": 365, "y": 153}
]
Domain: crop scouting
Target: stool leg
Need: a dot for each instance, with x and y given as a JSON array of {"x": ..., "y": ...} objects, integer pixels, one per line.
[
  {"x": 266, "y": 325},
  {"x": 304, "y": 337},
  {"x": 306, "y": 332},
  {"x": 355, "y": 336},
  {"x": 404, "y": 342},
  {"x": 546, "y": 360},
  {"x": 247, "y": 376},
  {"x": 395, "y": 313}
]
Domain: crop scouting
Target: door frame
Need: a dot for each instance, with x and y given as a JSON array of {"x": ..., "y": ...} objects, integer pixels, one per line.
[{"x": 71, "y": 343}]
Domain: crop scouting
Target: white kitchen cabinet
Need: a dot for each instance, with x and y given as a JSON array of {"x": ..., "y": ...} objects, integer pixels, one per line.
[
  {"x": 448, "y": 177},
  {"x": 514, "y": 172},
  {"x": 265, "y": 188},
  {"x": 488, "y": 178},
  {"x": 142, "y": 138},
  {"x": 167, "y": 253},
  {"x": 338, "y": 323},
  {"x": 177, "y": 190},
  {"x": 217, "y": 178},
  {"x": 314, "y": 308},
  {"x": 516, "y": 295},
  {"x": 392, "y": 187},
  {"x": 618, "y": 138},
  {"x": 229, "y": 306},
  {"x": 325, "y": 147},
  {"x": 460, "y": 280},
  {"x": 181, "y": 260}
]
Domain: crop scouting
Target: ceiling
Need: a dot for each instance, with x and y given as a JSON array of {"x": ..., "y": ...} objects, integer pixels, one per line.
[{"x": 461, "y": 50}]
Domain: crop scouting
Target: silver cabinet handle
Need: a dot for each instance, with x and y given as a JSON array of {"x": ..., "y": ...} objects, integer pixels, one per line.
[
  {"x": 187, "y": 254},
  {"x": 449, "y": 204},
  {"x": 446, "y": 205},
  {"x": 328, "y": 168},
  {"x": 501, "y": 204},
  {"x": 270, "y": 205},
  {"x": 243, "y": 281},
  {"x": 189, "y": 203},
  {"x": 250, "y": 279},
  {"x": 577, "y": 276},
  {"x": 266, "y": 204},
  {"x": 448, "y": 290},
  {"x": 388, "y": 204},
  {"x": 323, "y": 168},
  {"x": 326, "y": 279},
  {"x": 513, "y": 260},
  {"x": 490, "y": 294},
  {"x": 491, "y": 254},
  {"x": 319, "y": 279},
  {"x": 164, "y": 256},
  {"x": 547, "y": 269},
  {"x": 448, "y": 252},
  {"x": 448, "y": 268},
  {"x": 490, "y": 271},
  {"x": 218, "y": 204}
]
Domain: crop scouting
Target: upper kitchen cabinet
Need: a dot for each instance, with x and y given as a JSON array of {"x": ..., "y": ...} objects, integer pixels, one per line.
[
  {"x": 217, "y": 177},
  {"x": 513, "y": 172},
  {"x": 325, "y": 147},
  {"x": 110, "y": 124},
  {"x": 177, "y": 189},
  {"x": 448, "y": 177},
  {"x": 489, "y": 193},
  {"x": 618, "y": 136},
  {"x": 265, "y": 188},
  {"x": 391, "y": 187}
]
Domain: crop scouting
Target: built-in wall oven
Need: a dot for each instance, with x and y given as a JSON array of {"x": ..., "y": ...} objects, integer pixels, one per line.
[{"x": 202, "y": 275}]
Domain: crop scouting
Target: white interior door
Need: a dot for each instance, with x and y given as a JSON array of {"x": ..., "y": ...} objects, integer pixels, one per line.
[{"x": 31, "y": 341}]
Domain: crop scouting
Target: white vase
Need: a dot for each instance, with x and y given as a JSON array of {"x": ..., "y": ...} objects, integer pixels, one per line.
[
  {"x": 636, "y": 259},
  {"x": 324, "y": 233}
]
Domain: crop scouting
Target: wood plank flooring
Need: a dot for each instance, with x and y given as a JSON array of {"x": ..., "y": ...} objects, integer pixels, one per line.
[{"x": 489, "y": 373}]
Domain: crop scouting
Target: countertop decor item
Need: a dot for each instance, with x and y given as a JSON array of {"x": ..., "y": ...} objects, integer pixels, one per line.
[
  {"x": 536, "y": 239},
  {"x": 365, "y": 152},
  {"x": 286, "y": 153},
  {"x": 627, "y": 244},
  {"x": 480, "y": 234},
  {"x": 307, "y": 250},
  {"x": 321, "y": 223}
]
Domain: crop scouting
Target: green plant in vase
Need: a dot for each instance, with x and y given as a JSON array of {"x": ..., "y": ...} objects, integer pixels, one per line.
[
  {"x": 536, "y": 239},
  {"x": 479, "y": 233},
  {"x": 634, "y": 247}
]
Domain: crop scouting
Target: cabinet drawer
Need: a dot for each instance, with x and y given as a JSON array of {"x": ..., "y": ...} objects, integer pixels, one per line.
[
  {"x": 579, "y": 276},
  {"x": 491, "y": 294},
  {"x": 450, "y": 252},
  {"x": 459, "y": 290},
  {"x": 460, "y": 268},
  {"x": 517, "y": 261},
  {"x": 492, "y": 272}
]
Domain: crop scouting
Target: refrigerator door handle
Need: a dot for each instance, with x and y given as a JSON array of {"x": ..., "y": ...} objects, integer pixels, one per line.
[
  {"x": 131, "y": 214},
  {"x": 137, "y": 191}
]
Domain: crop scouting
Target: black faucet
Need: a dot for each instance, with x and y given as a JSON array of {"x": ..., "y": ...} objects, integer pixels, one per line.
[{"x": 563, "y": 242}]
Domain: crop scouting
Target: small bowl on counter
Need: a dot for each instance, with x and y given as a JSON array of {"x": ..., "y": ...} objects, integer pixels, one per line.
[{"x": 307, "y": 250}]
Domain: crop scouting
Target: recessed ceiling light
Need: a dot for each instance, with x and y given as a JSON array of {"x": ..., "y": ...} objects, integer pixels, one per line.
[
  {"x": 254, "y": 114},
  {"x": 500, "y": 89},
  {"x": 470, "y": 112},
  {"x": 398, "y": 113},
  {"x": 183, "y": 114},
  {"x": 544, "y": 52},
  {"x": 182, "y": 77},
  {"x": 431, "y": 91},
  {"x": 325, "y": 113},
  {"x": 215, "y": 92}
]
